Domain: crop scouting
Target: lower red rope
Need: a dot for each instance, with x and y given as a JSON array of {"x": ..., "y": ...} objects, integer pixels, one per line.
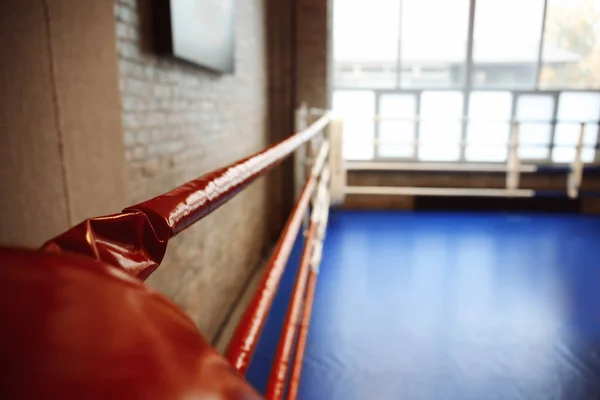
[
  {"x": 277, "y": 377},
  {"x": 244, "y": 340},
  {"x": 294, "y": 385}
]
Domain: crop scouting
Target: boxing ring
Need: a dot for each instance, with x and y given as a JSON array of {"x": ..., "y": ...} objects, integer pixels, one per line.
[
  {"x": 356, "y": 304},
  {"x": 446, "y": 305}
]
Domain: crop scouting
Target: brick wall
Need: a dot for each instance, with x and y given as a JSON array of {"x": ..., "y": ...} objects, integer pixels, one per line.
[
  {"x": 314, "y": 52},
  {"x": 181, "y": 121}
]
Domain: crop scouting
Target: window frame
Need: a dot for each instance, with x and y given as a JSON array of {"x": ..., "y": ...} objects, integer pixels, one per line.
[
  {"x": 467, "y": 88},
  {"x": 515, "y": 93}
]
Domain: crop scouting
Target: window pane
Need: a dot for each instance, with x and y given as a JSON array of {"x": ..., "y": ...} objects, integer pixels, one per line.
[
  {"x": 440, "y": 128},
  {"x": 365, "y": 42},
  {"x": 535, "y": 107},
  {"x": 506, "y": 43},
  {"x": 434, "y": 44},
  {"x": 357, "y": 108},
  {"x": 579, "y": 107},
  {"x": 571, "y": 54},
  {"x": 574, "y": 107},
  {"x": 566, "y": 138},
  {"x": 534, "y": 136},
  {"x": 534, "y": 140},
  {"x": 396, "y": 136},
  {"x": 487, "y": 133}
]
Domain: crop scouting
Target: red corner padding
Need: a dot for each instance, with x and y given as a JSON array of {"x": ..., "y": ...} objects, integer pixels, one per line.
[
  {"x": 127, "y": 241},
  {"x": 75, "y": 328}
]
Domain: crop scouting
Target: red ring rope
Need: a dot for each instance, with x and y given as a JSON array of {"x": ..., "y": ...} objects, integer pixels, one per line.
[
  {"x": 244, "y": 340},
  {"x": 296, "y": 372},
  {"x": 176, "y": 210},
  {"x": 136, "y": 239},
  {"x": 277, "y": 377}
]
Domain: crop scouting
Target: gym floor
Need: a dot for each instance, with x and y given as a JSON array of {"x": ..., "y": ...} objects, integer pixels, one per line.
[{"x": 435, "y": 305}]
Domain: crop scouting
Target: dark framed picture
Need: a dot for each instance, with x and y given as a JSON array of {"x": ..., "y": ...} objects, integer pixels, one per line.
[{"x": 197, "y": 31}]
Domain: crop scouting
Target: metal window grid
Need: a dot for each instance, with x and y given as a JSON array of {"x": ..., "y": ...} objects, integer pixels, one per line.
[{"x": 467, "y": 88}]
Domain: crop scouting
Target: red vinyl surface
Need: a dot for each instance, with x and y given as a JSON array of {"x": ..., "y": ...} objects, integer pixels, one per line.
[
  {"x": 76, "y": 328},
  {"x": 127, "y": 241}
]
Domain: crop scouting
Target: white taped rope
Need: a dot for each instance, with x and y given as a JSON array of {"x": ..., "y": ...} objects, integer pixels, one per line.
[
  {"x": 317, "y": 254},
  {"x": 576, "y": 175},
  {"x": 337, "y": 162},
  {"x": 321, "y": 158},
  {"x": 320, "y": 216},
  {"x": 513, "y": 164},
  {"x": 324, "y": 218},
  {"x": 316, "y": 170}
]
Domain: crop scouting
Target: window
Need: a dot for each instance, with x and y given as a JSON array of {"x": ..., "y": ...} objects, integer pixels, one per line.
[
  {"x": 534, "y": 132},
  {"x": 396, "y": 137},
  {"x": 571, "y": 54},
  {"x": 366, "y": 32},
  {"x": 357, "y": 107},
  {"x": 440, "y": 128},
  {"x": 506, "y": 43},
  {"x": 488, "y": 128},
  {"x": 373, "y": 69},
  {"x": 572, "y": 108},
  {"x": 433, "y": 39},
  {"x": 449, "y": 82}
]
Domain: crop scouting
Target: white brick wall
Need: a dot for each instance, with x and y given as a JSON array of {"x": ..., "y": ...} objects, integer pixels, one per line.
[{"x": 181, "y": 121}]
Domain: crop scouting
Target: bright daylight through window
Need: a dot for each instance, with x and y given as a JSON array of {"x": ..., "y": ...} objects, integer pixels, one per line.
[{"x": 445, "y": 80}]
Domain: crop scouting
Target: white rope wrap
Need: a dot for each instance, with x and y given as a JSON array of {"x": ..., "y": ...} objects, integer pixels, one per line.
[
  {"x": 576, "y": 175},
  {"x": 513, "y": 164},
  {"x": 336, "y": 162},
  {"x": 320, "y": 216},
  {"x": 321, "y": 158}
]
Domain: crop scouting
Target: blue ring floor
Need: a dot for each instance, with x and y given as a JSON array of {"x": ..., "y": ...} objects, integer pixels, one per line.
[{"x": 453, "y": 306}]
